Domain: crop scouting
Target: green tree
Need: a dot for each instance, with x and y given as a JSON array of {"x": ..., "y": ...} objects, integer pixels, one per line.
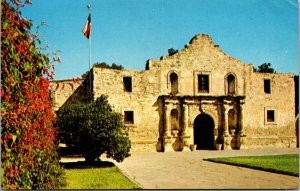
[
  {"x": 265, "y": 68},
  {"x": 103, "y": 65},
  {"x": 93, "y": 128},
  {"x": 172, "y": 51}
]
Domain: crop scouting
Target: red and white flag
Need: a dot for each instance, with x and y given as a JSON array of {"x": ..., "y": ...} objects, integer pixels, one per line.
[{"x": 87, "y": 27}]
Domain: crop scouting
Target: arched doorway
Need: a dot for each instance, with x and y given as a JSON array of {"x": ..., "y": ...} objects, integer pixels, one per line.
[{"x": 204, "y": 132}]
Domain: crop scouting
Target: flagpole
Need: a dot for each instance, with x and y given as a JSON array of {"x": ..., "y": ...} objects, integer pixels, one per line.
[{"x": 90, "y": 53}]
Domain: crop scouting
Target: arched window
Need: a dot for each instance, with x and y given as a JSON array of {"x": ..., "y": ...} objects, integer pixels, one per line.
[
  {"x": 230, "y": 84},
  {"x": 174, "y": 83},
  {"x": 232, "y": 121},
  {"x": 174, "y": 119}
]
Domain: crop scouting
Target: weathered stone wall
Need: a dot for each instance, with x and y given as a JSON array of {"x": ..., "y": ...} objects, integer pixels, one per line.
[
  {"x": 63, "y": 90},
  {"x": 281, "y": 99},
  {"x": 142, "y": 101},
  {"x": 200, "y": 56}
]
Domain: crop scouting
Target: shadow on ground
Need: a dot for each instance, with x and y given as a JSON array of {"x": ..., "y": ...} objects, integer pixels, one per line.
[{"x": 85, "y": 165}]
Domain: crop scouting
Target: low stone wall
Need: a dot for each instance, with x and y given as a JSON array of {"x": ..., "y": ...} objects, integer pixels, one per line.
[
  {"x": 143, "y": 146},
  {"x": 251, "y": 142},
  {"x": 256, "y": 142},
  {"x": 275, "y": 137}
]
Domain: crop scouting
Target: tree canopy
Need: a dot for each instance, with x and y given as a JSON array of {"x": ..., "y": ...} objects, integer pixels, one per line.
[
  {"x": 104, "y": 65},
  {"x": 265, "y": 68},
  {"x": 172, "y": 51},
  {"x": 93, "y": 128}
]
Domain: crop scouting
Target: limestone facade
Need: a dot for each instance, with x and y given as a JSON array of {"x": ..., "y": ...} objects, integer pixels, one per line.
[
  {"x": 63, "y": 91},
  {"x": 198, "y": 96}
]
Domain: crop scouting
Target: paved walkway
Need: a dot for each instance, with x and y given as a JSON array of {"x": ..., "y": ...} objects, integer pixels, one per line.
[{"x": 187, "y": 170}]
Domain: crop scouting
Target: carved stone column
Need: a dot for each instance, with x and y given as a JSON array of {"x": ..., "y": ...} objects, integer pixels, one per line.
[
  {"x": 241, "y": 124},
  {"x": 160, "y": 141},
  {"x": 185, "y": 120},
  {"x": 241, "y": 137},
  {"x": 225, "y": 121},
  {"x": 167, "y": 125},
  {"x": 227, "y": 137},
  {"x": 167, "y": 133},
  {"x": 185, "y": 137}
]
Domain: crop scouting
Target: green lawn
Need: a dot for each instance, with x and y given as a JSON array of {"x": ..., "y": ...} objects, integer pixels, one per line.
[
  {"x": 96, "y": 177},
  {"x": 284, "y": 164}
]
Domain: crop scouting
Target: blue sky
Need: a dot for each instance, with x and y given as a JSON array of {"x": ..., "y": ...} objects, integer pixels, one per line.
[{"x": 129, "y": 32}]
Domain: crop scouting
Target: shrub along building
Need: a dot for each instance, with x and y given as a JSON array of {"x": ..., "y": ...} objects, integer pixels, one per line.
[{"x": 198, "y": 96}]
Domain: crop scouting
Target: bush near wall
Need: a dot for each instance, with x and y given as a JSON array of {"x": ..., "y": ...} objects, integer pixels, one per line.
[
  {"x": 28, "y": 136},
  {"x": 93, "y": 128}
]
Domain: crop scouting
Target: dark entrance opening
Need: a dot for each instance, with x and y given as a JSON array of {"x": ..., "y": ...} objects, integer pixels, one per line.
[{"x": 204, "y": 132}]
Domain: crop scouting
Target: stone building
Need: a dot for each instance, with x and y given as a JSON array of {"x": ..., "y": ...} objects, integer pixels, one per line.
[{"x": 198, "y": 96}]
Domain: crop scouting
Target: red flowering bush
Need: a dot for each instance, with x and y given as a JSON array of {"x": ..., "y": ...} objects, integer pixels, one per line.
[{"x": 28, "y": 136}]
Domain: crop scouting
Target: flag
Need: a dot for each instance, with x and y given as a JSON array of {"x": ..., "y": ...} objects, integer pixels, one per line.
[{"x": 87, "y": 27}]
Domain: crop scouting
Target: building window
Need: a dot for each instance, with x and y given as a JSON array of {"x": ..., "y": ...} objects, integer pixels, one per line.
[
  {"x": 128, "y": 117},
  {"x": 232, "y": 120},
  {"x": 231, "y": 84},
  {"x": 270, "y": 116},
  {"x": 267, "y": 86},
  {"x": 174, "y": 119},
  {"x": 127, "y": 81},
  {"x": 203, "y": 83},
  {"x": 174, "y": 83}
]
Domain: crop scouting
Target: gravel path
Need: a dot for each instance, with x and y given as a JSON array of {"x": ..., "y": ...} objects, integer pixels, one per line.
[{"x": 187, "y": 170}]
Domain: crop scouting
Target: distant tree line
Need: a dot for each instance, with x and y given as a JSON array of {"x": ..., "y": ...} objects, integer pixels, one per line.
[
  {"x": 172, "y": 51},
  {"x": 264, "y": 68},
  {"x": 104, "y": 65}
]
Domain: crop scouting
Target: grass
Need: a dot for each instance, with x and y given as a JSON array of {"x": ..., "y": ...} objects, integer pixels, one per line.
[
  {"x": 283, "y": 164},
  {"x": 96, "y": 176}
]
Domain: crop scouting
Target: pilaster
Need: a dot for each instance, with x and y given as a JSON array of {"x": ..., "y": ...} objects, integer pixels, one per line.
[
  {"x": 167, "y": 134},
  {"x": 185, "y": 137},
  {"x": 227, "y": 137},
  {"x": 241, "y": 137}
]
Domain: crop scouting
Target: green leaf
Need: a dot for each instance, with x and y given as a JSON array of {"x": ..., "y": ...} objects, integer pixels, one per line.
[
  {"x": 16, "y": 33},
  {"x": 14, "y": 137},
  {"x": 31, "y": 48},
  {"x": 5, "y": 24},
  {"x": 17, "y": 58},
  {"x": 28, "y": 66}
]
